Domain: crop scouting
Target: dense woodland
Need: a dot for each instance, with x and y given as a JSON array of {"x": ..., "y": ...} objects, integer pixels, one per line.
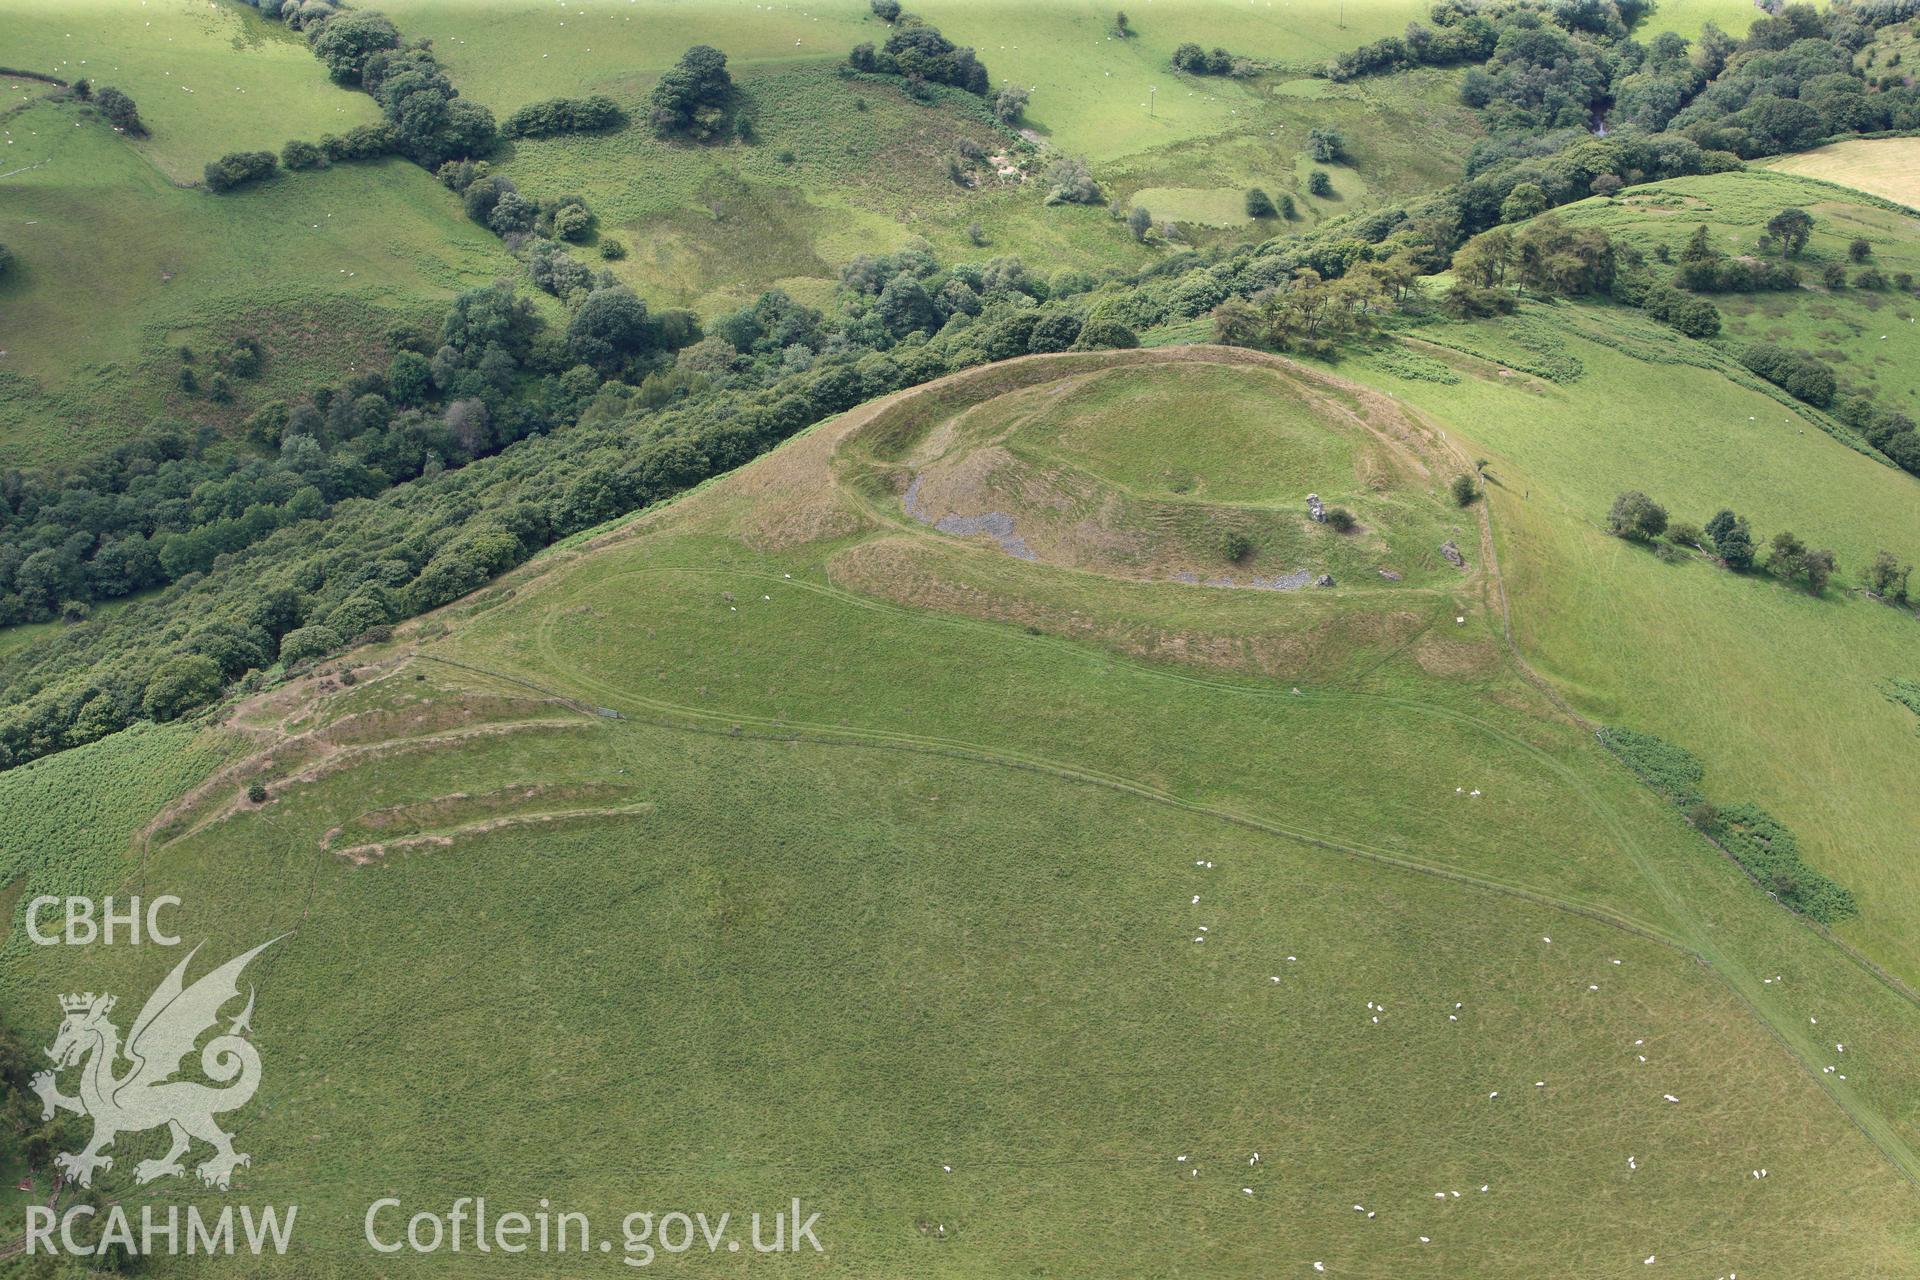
[{"x": 1536, "y": 67}]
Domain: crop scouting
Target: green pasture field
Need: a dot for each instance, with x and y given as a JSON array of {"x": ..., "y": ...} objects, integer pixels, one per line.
[
  {"x": 1879, "y": 166},
  {"x": 1782, "y": 695},
  {"x": 208, "y": 77},
  {"x": 115, "y": 269},
  {"x": 857, "y": 891}
]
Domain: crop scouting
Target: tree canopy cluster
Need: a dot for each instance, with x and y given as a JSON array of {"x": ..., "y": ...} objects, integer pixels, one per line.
[
  {"x": 120, "y": 111},
  {"x": 695, "y": 98},
  {"x": 916, "y": 50},
  {"x": 1195, "y": 61},
  {"x": 1544, "y": 65},
  {"x": 594, "y": 114}
]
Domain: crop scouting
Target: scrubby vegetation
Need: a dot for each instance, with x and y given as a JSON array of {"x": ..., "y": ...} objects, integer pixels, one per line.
[
  {"x": 1755, "y": 839},
  {"x": 244, "y": 167}
]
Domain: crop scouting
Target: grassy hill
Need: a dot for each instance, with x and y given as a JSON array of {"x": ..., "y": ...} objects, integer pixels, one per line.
[
  {"x": 888, "y": 818},
  {"x": 1879, "y": 166},
  {"x": 208, "y": 78},
  {"x": 1784, "y": 695},
  {"x": 116, "y": 268},
  {"x": 1000, "y": 817}
]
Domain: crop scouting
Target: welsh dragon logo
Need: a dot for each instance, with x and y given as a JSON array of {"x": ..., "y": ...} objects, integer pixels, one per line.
[{"x": 147, "y": 1096}]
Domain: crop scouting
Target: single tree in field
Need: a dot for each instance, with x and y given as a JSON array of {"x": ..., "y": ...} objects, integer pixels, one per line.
[
  {"x": 1319, "y": 183},
  {"x": 1634, "y": 515},
  {"x": 120, "y": 112},
  {"x": 1070, "y": 181},
  {"x": 1464, "y": 490},
  {"x": 1699, "y": 247},
  {"x": 1732, "y": 540},
  {"x": 1820, "y": 564},
  {"x": 1887, "y": 577},
  {"x": 1791, "y": 227},
  {"x": 1139, "y": 221},
  {"x": 886, "y": 10},
  {"x": 1325, "y": 145},
  {"x": 1121, "y": 27},
  {"x": 1259, "y": 203},
  {"x": 1859, "y": 250},
  {"x": 1788, "y": 557},
  {"x": 1288, "y": 209},
  {"x": 694, "y": 96}
]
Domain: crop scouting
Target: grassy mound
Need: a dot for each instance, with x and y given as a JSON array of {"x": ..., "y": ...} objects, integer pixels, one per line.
[{"x": 1167, "y": 466}]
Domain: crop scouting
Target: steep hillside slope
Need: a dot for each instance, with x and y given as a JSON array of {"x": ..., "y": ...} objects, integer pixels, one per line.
[
  {"x": 1784, "y": 695},
  {"x": 780, "y": 843}
]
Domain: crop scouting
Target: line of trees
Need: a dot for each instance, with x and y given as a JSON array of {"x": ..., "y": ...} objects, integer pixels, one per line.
[{"x": 1729, "y": 538}]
